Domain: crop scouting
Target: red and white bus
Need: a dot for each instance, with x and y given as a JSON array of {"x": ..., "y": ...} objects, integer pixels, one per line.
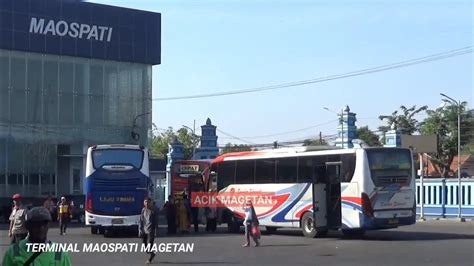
[{"x": 319, "y": 190}]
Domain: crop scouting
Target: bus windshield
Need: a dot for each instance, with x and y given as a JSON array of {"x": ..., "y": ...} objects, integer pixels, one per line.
[
  {"x": 117, "y": 157},
  {"x": 388, "y": 166},
  {"x": 389, "y": 159}
]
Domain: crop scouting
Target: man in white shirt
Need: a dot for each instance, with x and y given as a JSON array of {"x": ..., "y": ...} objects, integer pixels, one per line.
[
  {"x": 17, "y": 230},
  {"x": 250, "y": 221}
]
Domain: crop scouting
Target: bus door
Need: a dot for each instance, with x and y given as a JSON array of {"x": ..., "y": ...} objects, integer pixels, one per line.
[
  {"x": 320, "y": 205},
  {"x": 333, "y": 192}
]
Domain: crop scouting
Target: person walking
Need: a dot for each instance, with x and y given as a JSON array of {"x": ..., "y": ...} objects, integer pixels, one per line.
[
  {"x": 17, "y": 230},
  {"x": 183, "y": 217},
  {"x": 211, "y": 219},
  {"x": 64, "y": 215},
  {"x": 37, "y": 224},
  {"x": 148, "y": 226},
  {"x": 251, "y": 225},
  {"x": 49, "y": 205},
  {"x": 170, "y": 212}
]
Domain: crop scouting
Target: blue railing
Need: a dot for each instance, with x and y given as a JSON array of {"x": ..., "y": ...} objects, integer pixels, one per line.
[{"x": 441, "y": 197}]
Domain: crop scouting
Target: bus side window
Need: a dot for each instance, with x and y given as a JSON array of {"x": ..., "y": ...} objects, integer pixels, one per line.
[
  {"x": 348, "y": 167},
  {"x": 225, "y": 174},
  {"x": 245, "y": 172},
  {"x": 264, "y": 171},
  {"x": 305, "y": 170},
  {"x": 286, "y": 170}
]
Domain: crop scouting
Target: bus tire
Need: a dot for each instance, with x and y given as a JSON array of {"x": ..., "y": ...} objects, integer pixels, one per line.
[
  {"x": 271, "y": 229},
  {"x": 101, "y": 230},
  {"x": 94, "y": 230},
  {"x": 108, "y": 232},
  {"x": 308, "y": 228},
  {"x": 353, "y": 233},
  {"x": 233, "y": 226}
]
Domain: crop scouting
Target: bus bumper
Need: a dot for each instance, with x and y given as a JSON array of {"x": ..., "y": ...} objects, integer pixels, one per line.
[
  {"x": 115, "y": 221},
  {"x": 385, "y": 222}
]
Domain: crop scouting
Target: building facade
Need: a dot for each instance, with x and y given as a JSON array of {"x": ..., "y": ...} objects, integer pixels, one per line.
[{"x": 73, "y": 74}]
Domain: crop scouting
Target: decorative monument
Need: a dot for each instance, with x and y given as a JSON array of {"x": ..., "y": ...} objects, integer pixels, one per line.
[
  {"x": 346, "y": 131},
  {"x": 208, "y": 148}
]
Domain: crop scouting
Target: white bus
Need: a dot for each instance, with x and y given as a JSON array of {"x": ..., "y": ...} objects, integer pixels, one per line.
[
  {"x": 317, "y": 190},
  {"x": 116, "y": 183}
]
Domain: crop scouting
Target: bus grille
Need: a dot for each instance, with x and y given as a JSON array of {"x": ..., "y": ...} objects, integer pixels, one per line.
[
  {"x": 387, "y": 180},
  {"x": 112, "y": 184}
]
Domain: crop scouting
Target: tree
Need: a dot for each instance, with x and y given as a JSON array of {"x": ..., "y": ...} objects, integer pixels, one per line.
[
  {"x": 368, "y": 136},
  {"x": 235, "y": 148},
  {"x": 160, "y": 141},
  {"x": 315, "y": 142},
  {"x": 405, "y": 121},
  {"x": 444, "y": 123}
]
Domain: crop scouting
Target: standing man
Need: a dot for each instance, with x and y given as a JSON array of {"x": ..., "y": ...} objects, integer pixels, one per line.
[
  {"x": 17, "y": 230},
  {"x": 37, "y": 223},
  {"x": 170, "y": 212},
  {"x": 64, "y": 215},
  {"x": 49, "y": 205},
  {"x": 148, "y": 226}
]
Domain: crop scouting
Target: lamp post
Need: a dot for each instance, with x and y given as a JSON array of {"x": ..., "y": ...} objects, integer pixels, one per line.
[
  {"x": 458, "y": 107},
  {"x": 194, "y": 136},
  {"x": 341, "y": 121},
  {"x": 135, "y": 136}
]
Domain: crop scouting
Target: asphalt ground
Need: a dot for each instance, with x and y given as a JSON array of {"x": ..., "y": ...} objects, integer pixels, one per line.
[{"x": 426, "y": 243}]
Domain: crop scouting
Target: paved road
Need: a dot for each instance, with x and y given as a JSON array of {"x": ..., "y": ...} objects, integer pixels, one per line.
[{"x": 427, "y": 243}]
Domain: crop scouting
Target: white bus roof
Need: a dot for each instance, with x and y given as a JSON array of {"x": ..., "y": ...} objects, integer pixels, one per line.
[
  {"x": 117, "y": 146},
  {"x": 289, "y": 152}
]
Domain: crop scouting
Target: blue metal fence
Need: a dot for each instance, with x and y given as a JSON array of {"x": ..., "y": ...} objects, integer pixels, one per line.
[{"x": 441, "y": 197}]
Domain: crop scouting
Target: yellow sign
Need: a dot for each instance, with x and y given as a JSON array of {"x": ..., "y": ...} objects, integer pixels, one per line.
[
  {"x": 189, "y": 168},
  {"x": 117, "y": 199}
]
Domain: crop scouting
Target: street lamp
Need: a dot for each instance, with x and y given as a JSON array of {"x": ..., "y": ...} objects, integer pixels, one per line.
[
  {"x": 135, "y": 136},
  {"x": 194, "y": 136},
  {"x": 341, "y": 120},
  {"x": 458, "y": 107}
]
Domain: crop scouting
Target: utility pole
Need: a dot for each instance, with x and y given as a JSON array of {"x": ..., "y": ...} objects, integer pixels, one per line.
[
  {"x": 341, "y": 122},
  {"x": 458, "y": 108},
  {"x": 320, "y": 138},
  {"x": 193, "y": 130}
]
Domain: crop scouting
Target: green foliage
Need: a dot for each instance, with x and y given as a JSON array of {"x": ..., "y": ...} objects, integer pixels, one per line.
[
  {"x": 404, "y": 121},
  {"x": 369, "y": 137},
  {"x": 443, "y": 122},
  {"x": 235, "y": 148},
  {"x": 314, "y": 142},
  {"x": 160, "y": 141}
]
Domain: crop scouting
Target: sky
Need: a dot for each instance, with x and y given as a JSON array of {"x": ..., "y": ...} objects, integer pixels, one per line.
[{"x": 213, "y": 46}]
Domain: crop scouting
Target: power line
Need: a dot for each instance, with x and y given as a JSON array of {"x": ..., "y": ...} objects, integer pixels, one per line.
[
  {"x": 234, "y": 137},
  {"x": 420, "y": 60},
  {"x": 290, "y": 132}
]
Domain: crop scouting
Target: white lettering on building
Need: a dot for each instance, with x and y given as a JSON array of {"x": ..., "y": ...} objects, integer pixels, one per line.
[{"x": 73, "y": 30}]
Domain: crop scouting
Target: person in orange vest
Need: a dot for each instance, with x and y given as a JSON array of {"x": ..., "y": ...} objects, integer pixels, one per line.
[{"x": 64, "y": 215}]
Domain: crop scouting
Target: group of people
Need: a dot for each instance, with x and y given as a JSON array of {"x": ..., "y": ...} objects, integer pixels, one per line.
[
  {"x": 180, "y": 215},
  {"x": 30, "y": 226}
]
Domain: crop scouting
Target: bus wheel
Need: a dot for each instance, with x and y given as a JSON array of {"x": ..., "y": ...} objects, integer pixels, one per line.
[
  {"x": 233, "y": 226},
  {"x": 271, "y": 229},
  {"x": 94, "y": 230},
  {"x": 353, "y": 233},
  {"x": 108, "y": 232},
  {"x": 308, "y": 226},
  {"x": 101, "y": 230}
]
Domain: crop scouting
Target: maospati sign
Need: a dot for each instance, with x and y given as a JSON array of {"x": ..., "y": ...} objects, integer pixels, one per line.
[{"x": 73, "y": 29}]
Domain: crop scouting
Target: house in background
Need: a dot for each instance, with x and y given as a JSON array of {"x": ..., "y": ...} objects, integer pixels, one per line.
[{"x": 467, "y": 167}]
